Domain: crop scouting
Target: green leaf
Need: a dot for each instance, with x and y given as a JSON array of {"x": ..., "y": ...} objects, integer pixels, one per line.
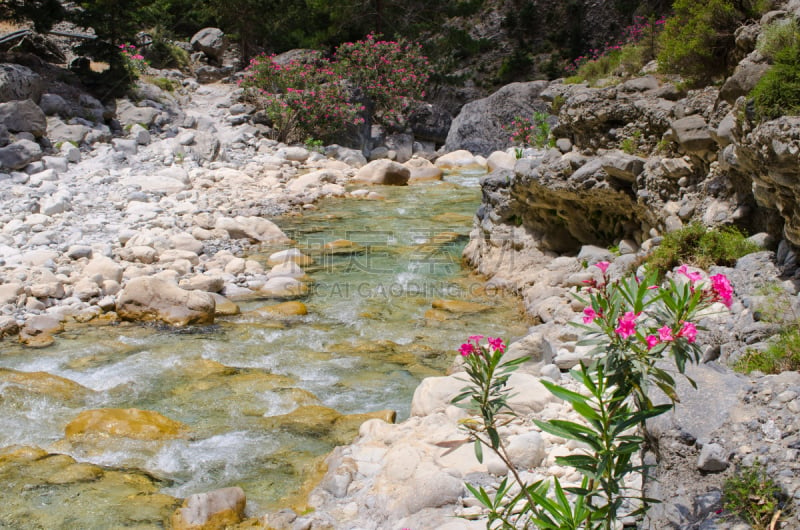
[
  {"x": 479, "y": 451},
  {"x": 494, "y": 437},
  {"x": 584, "y": 462},
  {"x": 563, "y": 393},
  {"x": 571, "y": 431},
  {"x": 587, "y": 412},
  {"x": 481, "y": 495},
  {"x": 640, "y": 417}
]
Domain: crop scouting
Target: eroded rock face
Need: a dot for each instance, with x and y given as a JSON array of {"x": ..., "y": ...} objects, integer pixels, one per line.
[
  {"x": 769, "y": 154},
  {"x": 478, "y": 127},
  {"x": 206, "y": 511},
  {"x": 148, "y": 299}
]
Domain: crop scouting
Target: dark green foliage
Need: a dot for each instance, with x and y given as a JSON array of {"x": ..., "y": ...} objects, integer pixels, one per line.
[
  {"x": 701, "y": 247},
  {"x": 515, "y": 67},
  {"x": 782, "y": 354},
  {"x": 783, "y": 350},
  {"x": 43, "y": 13},
  {"x": 778, "y": 91},
  {"x": 161, "y": 53},
  {"x": 697, "y": 41},
  {"x": 752, "y": 495}
]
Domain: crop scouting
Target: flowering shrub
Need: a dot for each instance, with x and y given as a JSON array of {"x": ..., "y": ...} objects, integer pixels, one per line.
[
  {"x": 302, "y": 98},
  {"x": 527, "y": 132},
  {"x": 392, "y": 73},
  {"x": 134, "y": 61},
  {"x": 632, "y": 323},
  {"x": 315, "y": 98},
  {"x": 643, "y": 31}
]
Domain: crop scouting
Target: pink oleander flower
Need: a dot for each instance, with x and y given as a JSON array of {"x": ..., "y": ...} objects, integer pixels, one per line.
[
  {"x": 497, "y": 344},
  {"x": 693, "y": 276},
  {"x": 665, "y": 334},
  {"x": 476, "y": 338},
  {"x": 722, "y": 288},
  {"x": 467, "y": 349},
  {"x": 688, "y": 331},
  {"x": 602, "y": 265},
  {"x": 651, "y": 341},
  {"x": 589, "y": 314},
  {"x": 627, "y": 325}
]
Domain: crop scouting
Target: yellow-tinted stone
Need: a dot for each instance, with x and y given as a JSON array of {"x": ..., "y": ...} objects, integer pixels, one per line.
[
  {"x": 126, "y": 423},
  {"x": 285, "y": 309},
  {"x": 452, "y": 218},
  {"x": 224, "y": 307},
  {"x": 459, "y": 306},
  {"x": 437, "y": 315},
  {"x": 342, "y": 246},
  {"x": 45, "y": 384},
  {"x": 42, "y": 340},
  {"x": 78, "y": 472},
  {"x": 317, "y": 420},
  {"x": 21, "y": 453}
]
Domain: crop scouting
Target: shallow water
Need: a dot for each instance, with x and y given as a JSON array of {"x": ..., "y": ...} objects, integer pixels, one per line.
[{"x": 364, "y": 346}]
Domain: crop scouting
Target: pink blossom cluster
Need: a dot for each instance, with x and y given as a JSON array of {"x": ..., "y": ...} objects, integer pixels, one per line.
[
  {"x": 473, "y": 345},
  {"x": 392, "y": 73},
  {"x": 627, "y": 326},
  {"x": 522, "y": 131},
  {"x": 303, "y": 98},
  {"x": 640, "y": 29},
  {"x": 313, "y": 96},
  {"x": 133, "y": 58}
]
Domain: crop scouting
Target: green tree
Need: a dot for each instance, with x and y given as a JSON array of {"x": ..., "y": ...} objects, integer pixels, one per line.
[{"x": 698, "y": 40}]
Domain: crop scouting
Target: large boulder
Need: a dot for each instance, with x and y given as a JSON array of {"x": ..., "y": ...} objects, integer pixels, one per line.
[
  {"x": 255, "y": 228},
  {"x": 478, "y": 128},
  {"x": 384, "y": 172},
  {"x": 60, "y": 132},
  {"x": 693, "y": 135},
  {"x": 23, "y": 116},
  {"x": 129, "y": 115},
  {"x": 19, "y": 82},
  {"x": 19, "y": 154},
  {"x": 430, "y": 123},
  {"x": 212, "y": 42},
  {"x": 743, "y": 80},
  {"x": 154, "y": 299}
]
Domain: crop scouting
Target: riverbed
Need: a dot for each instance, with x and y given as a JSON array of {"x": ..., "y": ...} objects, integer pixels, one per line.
[{"x": 264, "y": 397}]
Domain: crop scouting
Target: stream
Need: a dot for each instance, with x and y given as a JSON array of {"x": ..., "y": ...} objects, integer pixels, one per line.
[{"x": 265, "y": 398}]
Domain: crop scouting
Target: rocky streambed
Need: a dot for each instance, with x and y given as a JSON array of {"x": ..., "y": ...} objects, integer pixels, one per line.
[{"x": 305, "y": 302}]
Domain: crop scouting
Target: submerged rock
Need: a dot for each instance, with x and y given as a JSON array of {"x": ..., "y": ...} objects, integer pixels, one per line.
[
  {"x": 45, "y": 384},
  {"x": 127, "y": 423}
]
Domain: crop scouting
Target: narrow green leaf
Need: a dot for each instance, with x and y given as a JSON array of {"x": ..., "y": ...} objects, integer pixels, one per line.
[
  {"x": 494, "y": 437},
  {"x": 563, "y": 393},
  {"x": 479, "y": 451}
]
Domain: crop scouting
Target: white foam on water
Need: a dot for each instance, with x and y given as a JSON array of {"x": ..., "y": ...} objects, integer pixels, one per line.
[
  {"x": 137, "y": 368},
  {"x": 217, "y": 461}
]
